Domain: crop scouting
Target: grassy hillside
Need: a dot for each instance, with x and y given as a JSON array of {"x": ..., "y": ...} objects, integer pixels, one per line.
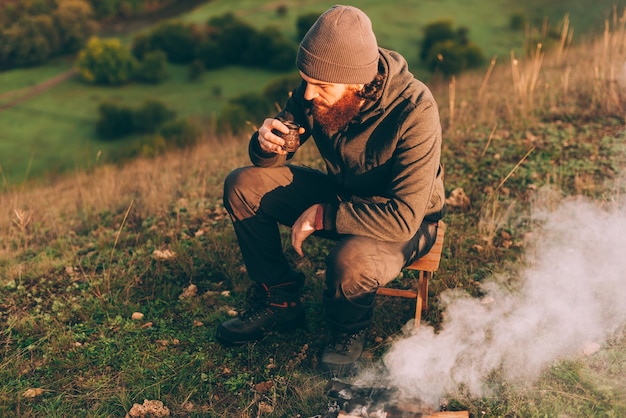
[
  {"x": 54, "y": 132},
  {"x": 114, "y": 280}
]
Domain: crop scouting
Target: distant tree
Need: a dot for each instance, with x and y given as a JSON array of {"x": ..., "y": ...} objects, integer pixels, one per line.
[
  {"x": 211, "y": 54},
  {"x": 304, "y": 23},
  {"x": 177, "y": 39},
  {"x": 29, "y": 41},
  {"x": 74, "y": 20},
  {"x": 233, "y": 36},
  {"x": 153, "y": 67},
  {"x": 269, "y": 49},
  {"x": 140, "y": 45},
  {"x": 106, "y": 62}
]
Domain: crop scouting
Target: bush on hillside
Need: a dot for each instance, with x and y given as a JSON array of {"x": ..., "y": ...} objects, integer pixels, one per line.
[
  {"x": 448, "y": 51},
  {"x": 174, "y": 134},
  {"x": 179, "y": 133},
  {"x": 75, "y": 22},
  {"x": 176, "y": 39},
  {"x": 153, "y": 67},
  {"x": 106, "y": 62},
  {"x": 150, "y": 116},
  {"x": 209, "y": 53},
  {"x": 269, "y": 49},
  {"x": 233, "y": 36},
  {"x": 436, "y": 32},
  {"x": 114, "y": 121},
  {"x": 30, "y": 41},
  {"x": 112, "y": 9},
  {"x": 34, "y": 32}
]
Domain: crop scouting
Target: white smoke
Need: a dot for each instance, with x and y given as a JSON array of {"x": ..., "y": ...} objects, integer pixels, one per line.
[{"x": 570, "y": 293}]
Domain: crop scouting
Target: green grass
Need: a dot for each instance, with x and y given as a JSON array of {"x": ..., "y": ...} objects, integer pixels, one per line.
[
  {"x": 56, "y": 129},
  {"x": 55, "y": 132}
]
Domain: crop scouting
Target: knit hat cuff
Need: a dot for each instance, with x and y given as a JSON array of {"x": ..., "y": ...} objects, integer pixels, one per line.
[{"x": 331, "y": 72}]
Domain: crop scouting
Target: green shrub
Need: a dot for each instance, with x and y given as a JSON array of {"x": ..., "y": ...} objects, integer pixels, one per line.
[
  {"x": 74, "y": 20},
  {"x": 153, "y": 67},
  {"x": 450, "y": 57},
  {"x": 149, "y": 147},
  {"x": 114, "y": 121},
  {"x": 449, "y": 52},
  {"x": 150, "y": 116},
  {"x": 140, "y": 45},
  {"x": 106, "y": 62},
  {"x": 30, "y": 41},
  {"x": 210, "y": 53},
  {"x": 436, "y": 32},
  {"x": 233, "y": 37},
  {"x": 179, "y": 133},
  {"x": 269, "y": 49},
  {"x": 33, "y": 32}
]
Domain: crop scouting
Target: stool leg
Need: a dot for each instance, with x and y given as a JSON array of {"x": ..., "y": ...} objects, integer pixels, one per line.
[
  {"x": 423, "y": 289},
  {"x": 421, "y": 301}
]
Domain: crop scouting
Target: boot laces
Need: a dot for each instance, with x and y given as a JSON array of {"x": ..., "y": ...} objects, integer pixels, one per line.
[{"x": 342, "y": 343}]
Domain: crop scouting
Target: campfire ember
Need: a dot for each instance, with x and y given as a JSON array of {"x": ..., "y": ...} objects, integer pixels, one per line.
[{"x": 375, "y": 402}]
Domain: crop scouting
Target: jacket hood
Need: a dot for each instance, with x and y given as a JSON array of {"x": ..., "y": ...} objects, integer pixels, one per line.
[{"x": 396, "y": 79}]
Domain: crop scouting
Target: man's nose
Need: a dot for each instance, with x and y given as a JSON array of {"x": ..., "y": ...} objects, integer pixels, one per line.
[{"x": 310, "y": 93}]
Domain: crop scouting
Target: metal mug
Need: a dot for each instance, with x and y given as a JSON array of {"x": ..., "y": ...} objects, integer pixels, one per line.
[{"x": 292, "y": 139}]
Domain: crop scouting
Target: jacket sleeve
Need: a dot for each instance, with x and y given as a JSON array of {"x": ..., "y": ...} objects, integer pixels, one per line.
[
  {"x": 413, "y": 180},
  {"x": 293, "y": 111}
]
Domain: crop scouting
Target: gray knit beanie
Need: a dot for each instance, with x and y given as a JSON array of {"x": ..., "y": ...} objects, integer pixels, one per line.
[{"x": 340, "y": 47}]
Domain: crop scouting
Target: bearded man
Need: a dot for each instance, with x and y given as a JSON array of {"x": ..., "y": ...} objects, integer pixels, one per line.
[{"x": 378, "y": 131}]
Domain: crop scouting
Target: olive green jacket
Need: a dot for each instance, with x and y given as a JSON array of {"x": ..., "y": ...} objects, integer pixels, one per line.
[{"x": 386, "y": 162}]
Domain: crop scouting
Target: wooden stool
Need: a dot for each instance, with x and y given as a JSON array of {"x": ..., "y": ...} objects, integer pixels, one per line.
[{"x": 426, "y": 265}]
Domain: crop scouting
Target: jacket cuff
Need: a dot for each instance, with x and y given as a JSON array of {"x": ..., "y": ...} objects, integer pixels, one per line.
[{"x": 328, "y": 214}]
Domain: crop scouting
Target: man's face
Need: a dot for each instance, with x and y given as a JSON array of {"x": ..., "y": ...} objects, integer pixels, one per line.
[
  {"x": 333, "y": 105},
  {"x": 321, "y": 93}
]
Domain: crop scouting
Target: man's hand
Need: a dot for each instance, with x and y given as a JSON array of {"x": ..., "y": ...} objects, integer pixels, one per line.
[
  {"x": 302, "y": 228},
  {"x": 269, "y": 141}
]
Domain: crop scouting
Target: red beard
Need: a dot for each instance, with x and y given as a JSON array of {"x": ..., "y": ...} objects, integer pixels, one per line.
[{"x": 337, "y": 116}]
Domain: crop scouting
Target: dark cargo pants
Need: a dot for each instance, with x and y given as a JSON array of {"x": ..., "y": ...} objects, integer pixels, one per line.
[{"x": 258, "y": 199}]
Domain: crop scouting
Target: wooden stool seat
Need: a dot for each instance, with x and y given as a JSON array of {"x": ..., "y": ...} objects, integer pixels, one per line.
[{"x": 426, "y": 265}]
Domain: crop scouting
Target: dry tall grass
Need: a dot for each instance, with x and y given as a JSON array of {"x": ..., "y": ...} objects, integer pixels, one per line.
[{"x": 589, "y": 78}]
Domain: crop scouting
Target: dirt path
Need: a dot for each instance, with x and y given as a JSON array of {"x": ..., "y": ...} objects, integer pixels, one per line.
[{"x": 16, "y": 97}]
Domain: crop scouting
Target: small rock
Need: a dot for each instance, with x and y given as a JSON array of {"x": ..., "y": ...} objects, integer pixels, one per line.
[{"x": 137, "y": 316}]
